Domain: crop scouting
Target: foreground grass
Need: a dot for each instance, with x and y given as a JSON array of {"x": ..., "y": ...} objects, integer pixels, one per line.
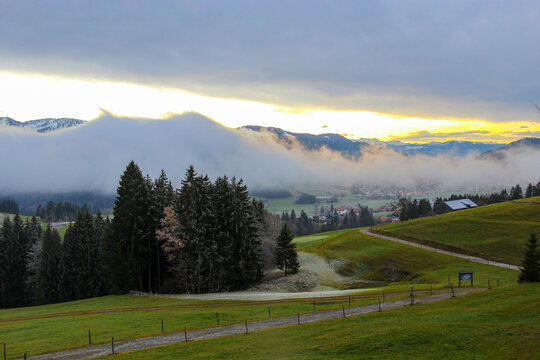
[
  {"x": 49, "y": 328},
  {"x": 366, "y": 257},
  {"x": 494, "y": 324},
  {"x": 497, "y": 232}
]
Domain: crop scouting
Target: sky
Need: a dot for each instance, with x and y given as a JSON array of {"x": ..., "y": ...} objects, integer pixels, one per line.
[{"x": 413, "y": 71}]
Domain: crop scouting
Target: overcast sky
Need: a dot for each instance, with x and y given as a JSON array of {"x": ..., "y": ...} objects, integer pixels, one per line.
[{"x": 451, "y": 60}]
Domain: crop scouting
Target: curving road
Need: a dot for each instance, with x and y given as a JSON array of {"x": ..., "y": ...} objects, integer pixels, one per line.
[{"x": 368, "y": 232}]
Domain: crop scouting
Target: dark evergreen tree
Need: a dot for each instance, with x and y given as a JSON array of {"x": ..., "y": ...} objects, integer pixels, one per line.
[
  {"x": 516, "y": 192},
  {"x": 14, "y": 255},
  {"x": 530, "y": 264},
  {"x": 293, "y": 216},
  {"x": 285, "y": 255},
  {"x": 125, "y": 249},
  {"x": 35, "y": 234},
  {"x": 530, "y": 191},
  {"x": 193, "y": 207},
  {"x": 50, "y": 267}
]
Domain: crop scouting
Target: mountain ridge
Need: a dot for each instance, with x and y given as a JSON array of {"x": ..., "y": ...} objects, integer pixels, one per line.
[{"x": 42, "y": 125}]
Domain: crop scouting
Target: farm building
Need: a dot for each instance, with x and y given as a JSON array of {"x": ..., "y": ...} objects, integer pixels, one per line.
[{"x": 454, "y": 205}]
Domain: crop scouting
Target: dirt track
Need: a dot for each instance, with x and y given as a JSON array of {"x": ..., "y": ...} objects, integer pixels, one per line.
[
  {"x": 200, "y": 334},
  {"x": 367, "y": 231}
]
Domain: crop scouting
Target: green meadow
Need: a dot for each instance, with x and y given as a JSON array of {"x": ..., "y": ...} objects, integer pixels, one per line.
[
  {"x": 494, "y": 324},
  {"x": 364, "y": 257},
  {"x": 497, "y": 232}
]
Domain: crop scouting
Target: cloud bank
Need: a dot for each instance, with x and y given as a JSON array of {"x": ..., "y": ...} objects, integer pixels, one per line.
[
  {"x": 91, "y": 157},
  {"x": 465, "y": 59}
]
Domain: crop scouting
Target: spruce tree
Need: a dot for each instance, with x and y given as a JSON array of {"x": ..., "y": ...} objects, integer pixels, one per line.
[
  {"x": 285, "y": 255},
  {"x": 530, "y": 264},
  {"x": 14, "y": 256},
  {"x": 125, "y": 249},
  {"x": 50, "y": 267},
  {"x": 193, "y": 207},
  {"x": 530, "y": 191}
]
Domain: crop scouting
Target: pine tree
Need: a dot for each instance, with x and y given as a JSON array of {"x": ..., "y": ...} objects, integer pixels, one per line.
[
  {"x": 162, "y": 197},
  {"x": 50, "y": 267},
  {"x": 530, "y": 191},
  {"x": 530, "y": 264},
  {"x": 14, "y": 256},
  {"x": 244, "y": 235},
  {"x": 193, "y": 208},
  {"x": 125, "y": 249},
  {"x": 285, "y": 255},
  {"x": 516, "y": 192}
]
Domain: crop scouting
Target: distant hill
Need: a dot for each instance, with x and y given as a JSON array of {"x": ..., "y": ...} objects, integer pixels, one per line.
[
  {"x": 525, "y": 144},
  {"x": 497, "y": 232},
  {"x": 42, "y": 125},
  {"x": 355, "y": 147},
  {"x": 333, "y": 142}
]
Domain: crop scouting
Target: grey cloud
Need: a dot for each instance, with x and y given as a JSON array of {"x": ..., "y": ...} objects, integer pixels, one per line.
[
  {"x": 462, "y": 58},
  {"x": 91, "y": 157}
]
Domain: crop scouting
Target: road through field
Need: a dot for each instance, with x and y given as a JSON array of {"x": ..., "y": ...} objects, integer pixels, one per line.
[
  {"x": 368, "y": 232},
  {"x": 220, "y": 331}
]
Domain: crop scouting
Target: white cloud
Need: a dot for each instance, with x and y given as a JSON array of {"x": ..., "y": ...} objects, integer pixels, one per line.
[{"x": 91, "y": 157}]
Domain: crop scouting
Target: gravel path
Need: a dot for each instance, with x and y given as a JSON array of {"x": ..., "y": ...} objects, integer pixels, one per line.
[
  {"x": 220, "y": 331},
  {"x": 367, "y": 231}
]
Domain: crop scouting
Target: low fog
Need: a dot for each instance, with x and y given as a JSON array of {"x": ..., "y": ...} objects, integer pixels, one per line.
[{"x": 92, "y": 157}]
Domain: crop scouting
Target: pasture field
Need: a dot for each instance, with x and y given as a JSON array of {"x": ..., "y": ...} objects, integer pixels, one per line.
[
  {"x": 48, "y": 328},
  {"x": 493, "y": 324},
  {"x": 363, "y": 257},
  {"x": 496, "y": 232},
  {"x": 278, "y": 206}
]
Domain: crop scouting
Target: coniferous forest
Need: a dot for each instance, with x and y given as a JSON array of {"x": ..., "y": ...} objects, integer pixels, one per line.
[{"x": 203, "y": 237}]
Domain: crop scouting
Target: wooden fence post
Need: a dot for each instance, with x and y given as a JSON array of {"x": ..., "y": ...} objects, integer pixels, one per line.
[
  {"x": 269, "y": 313},
  {"x": 452, "y": 287},
  {"x": 161, "y": 325},
  {"x": 24, "y": 356},
  {"x": 112, "y": 345},
  {"x": 343, "y": 308},
  {"x": 379, "y": 304},
  {"x": 298, "y": 318},
  {"x": 217, "y": 318},
  {"x": 89, "y": 337},
  {"x": 185, "y": 333},
  {"x": 245, "y": 322}
]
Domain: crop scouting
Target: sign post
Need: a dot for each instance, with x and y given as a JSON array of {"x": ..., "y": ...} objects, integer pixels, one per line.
[{"x": 466, "y": 276}]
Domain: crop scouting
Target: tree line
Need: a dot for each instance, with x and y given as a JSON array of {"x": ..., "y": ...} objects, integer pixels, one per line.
[
  {"x": 9, "y": 206},
  {"x": 203, "y": 237},
  {"x": 56, "y": 212},
  {"x": 305, "y": 225}
]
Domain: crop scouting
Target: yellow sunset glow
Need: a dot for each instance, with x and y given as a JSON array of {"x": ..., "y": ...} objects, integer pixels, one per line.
[{"x": 30, "y": 96}]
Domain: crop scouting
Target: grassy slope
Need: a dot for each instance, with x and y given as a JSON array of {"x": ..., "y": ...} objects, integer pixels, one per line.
[
  {"x": 366, "y": 257},
  {"x": 494, "y": 324},
  {"x": 497, "y": 231},
  {"x": 48, "y": 328}
]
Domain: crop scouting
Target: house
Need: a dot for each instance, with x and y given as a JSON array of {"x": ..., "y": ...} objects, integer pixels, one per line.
[
  {"x": 341, "y": 210},
  {"x": 454, "y": 205}
]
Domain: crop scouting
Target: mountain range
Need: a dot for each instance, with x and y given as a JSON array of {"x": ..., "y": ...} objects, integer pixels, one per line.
[
  {"x": 351, "y": 148},
  {"x": 355, "y": 147},
  {"x": 42, "y": 125}
]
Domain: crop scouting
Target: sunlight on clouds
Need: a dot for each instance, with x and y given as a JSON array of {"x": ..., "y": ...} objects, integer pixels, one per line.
[{"x": 29, "y": 96}]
